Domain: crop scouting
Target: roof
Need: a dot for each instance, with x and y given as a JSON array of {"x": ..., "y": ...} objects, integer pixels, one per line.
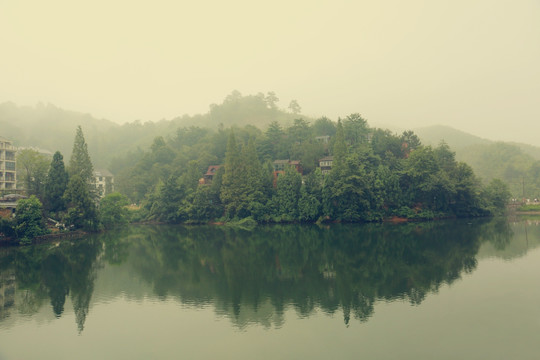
[
  {"x": 327, "y": 158},
  {"x": 103, "y": 172},
  {"x": 212, "y": 169}
]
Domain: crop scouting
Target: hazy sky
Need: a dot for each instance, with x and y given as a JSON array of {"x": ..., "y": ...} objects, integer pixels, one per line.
[{"x": 471, "y": 64}]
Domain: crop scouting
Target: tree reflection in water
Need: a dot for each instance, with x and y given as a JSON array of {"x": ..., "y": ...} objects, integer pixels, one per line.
[{"x": 254, "y": 276}]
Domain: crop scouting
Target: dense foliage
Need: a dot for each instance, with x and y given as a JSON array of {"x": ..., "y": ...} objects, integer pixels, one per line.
[
  {"x": 48, "y": 127},
  {"x": 518, "y": 165},
  {"x": 29, "y": 221},
  {"x": 68, "y": 196},
  {"x": 375, "y": 175}
]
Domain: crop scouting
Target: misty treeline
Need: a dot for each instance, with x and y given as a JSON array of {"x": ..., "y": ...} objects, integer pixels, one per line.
[
  {"x": 375, "y": 175},
  {"x": 51, "y": 128},
  {"x": 517, "y": 164},
  {"x": 508, "y": 162}
]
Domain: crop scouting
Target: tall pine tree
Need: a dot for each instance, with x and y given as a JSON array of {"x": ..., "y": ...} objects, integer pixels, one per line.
[
  {"x": 56, "y": 184},
  {"x": 80, "y": 163},
  {"x": 232, "y": 187},
  {"x": 81, "y": 194}
]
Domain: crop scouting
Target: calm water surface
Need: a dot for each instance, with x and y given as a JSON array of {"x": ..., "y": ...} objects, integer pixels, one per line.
[{"x": 445, "y": 290}]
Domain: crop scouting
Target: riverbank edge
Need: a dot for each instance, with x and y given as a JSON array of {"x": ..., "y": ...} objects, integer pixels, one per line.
[{"x": 6, "y": 242}]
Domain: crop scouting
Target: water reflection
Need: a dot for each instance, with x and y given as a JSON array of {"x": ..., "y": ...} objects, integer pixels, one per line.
[{"x": 253, "y": 276}]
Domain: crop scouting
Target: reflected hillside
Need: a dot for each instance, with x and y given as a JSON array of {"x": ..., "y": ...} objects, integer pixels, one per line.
[
  {"x": 343, "y": 268},
  {"x": 511, "y": 241},
  {"x": 251, "y": 277}
]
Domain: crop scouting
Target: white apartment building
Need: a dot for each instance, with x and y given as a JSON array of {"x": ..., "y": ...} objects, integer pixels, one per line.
[
  {"x": 104, "y": 182},
  {"x": 8, "y": 174}
]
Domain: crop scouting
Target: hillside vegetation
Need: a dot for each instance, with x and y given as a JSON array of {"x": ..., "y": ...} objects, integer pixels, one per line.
[
  {"x": 116, "y": 146},
  {"x": 50, "y": 128},
  {"x": 516, "y": 164}
]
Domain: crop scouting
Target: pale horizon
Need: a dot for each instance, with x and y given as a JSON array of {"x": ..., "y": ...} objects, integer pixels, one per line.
[{"x": 469, "y": 65}]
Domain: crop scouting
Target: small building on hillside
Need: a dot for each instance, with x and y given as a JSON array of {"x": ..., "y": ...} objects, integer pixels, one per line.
[
  {"x": 325, "y": 139},
  {"x": 208, "y": 177},
  {"x": 280, "y": 166},
  {"x": 104, "y": 182},
  {"x": 326, "y": 164},
  {"x": 8, "y": 172}
]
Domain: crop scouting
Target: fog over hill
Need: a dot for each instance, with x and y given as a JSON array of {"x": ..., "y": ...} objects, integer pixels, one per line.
[{"x": 51, "y": 128}]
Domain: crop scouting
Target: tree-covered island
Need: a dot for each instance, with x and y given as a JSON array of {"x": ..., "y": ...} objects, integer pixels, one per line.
[
  {"x": 318, "y": 171},
  {"x": 307, "y": 172}
]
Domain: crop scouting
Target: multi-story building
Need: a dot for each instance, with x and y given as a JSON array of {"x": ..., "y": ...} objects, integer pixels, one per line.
[
  {"x": 104, "y": 182},
  {"x": 326, "y": 164},
  {"x": 8, "y": 174}
]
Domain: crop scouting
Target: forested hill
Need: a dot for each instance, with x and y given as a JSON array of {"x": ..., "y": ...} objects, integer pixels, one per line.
[
  {"x": 51, "y": 128},
  {"x": 456, "y": 139},
  {"x": 516, "y": 164}
]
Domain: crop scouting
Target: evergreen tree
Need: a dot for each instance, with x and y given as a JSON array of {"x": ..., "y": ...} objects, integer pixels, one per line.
[
  {"x": 288, "y": 193},
  {"x": 345, "y": 192},
  {"x": 113, "y": 211},
  {"x": 82, "y": 212},
  {"x": 29, "y": 220},
  {"x": 80, "y": 163},
  {"x": 308, "y": 206},
  {"x": 254, "y": 180},
  {"x": 232, "y": 187},
  {"x": 340, "y": 148},
  {"x": 165, "y": 203},
  {"x": 56, "y": 184}
]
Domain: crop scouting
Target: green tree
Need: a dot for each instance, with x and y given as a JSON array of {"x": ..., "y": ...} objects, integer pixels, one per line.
[
  {"x": 309, "y": 206},
  {"x": 271, "y": 100},
  {"x": 294, "y": 107},
  {"x": 410, "y": 142},
  {"x": 340, "y": 148},
  {"x": 82, "y": 212},
  {"x": 288, "y": 193},
  {"x": 29, "y": 219},
  {"x": 497, "y": 194},
  {"x": 56, "y": 184},
  {"x": 113, "y": 211},
  {"x": 204, "y": 205},
  {"x": 233, "y": 192},
  {"x": 356, "y": 130},
  {"x": 346, "y": 191},
  {"x": 32, "y": 168},
  {"x": 273, "y": 145},
  {"x": 254, "y": 179},
  {"x": 165, "y": 203},
  {"x": 80, "y": 163},
  {"x": 324, "y": 126}
]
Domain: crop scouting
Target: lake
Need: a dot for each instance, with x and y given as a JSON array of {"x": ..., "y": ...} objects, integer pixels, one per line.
[{"x": 467, "y": 289}]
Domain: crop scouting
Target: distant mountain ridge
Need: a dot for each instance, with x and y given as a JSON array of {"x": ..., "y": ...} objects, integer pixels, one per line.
[
  {"x": 460, "y": 140},
  {"x": 516, "y": 164},
  {"x": 51, "y": 128},
  {"x": 433, "y": 135}
]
